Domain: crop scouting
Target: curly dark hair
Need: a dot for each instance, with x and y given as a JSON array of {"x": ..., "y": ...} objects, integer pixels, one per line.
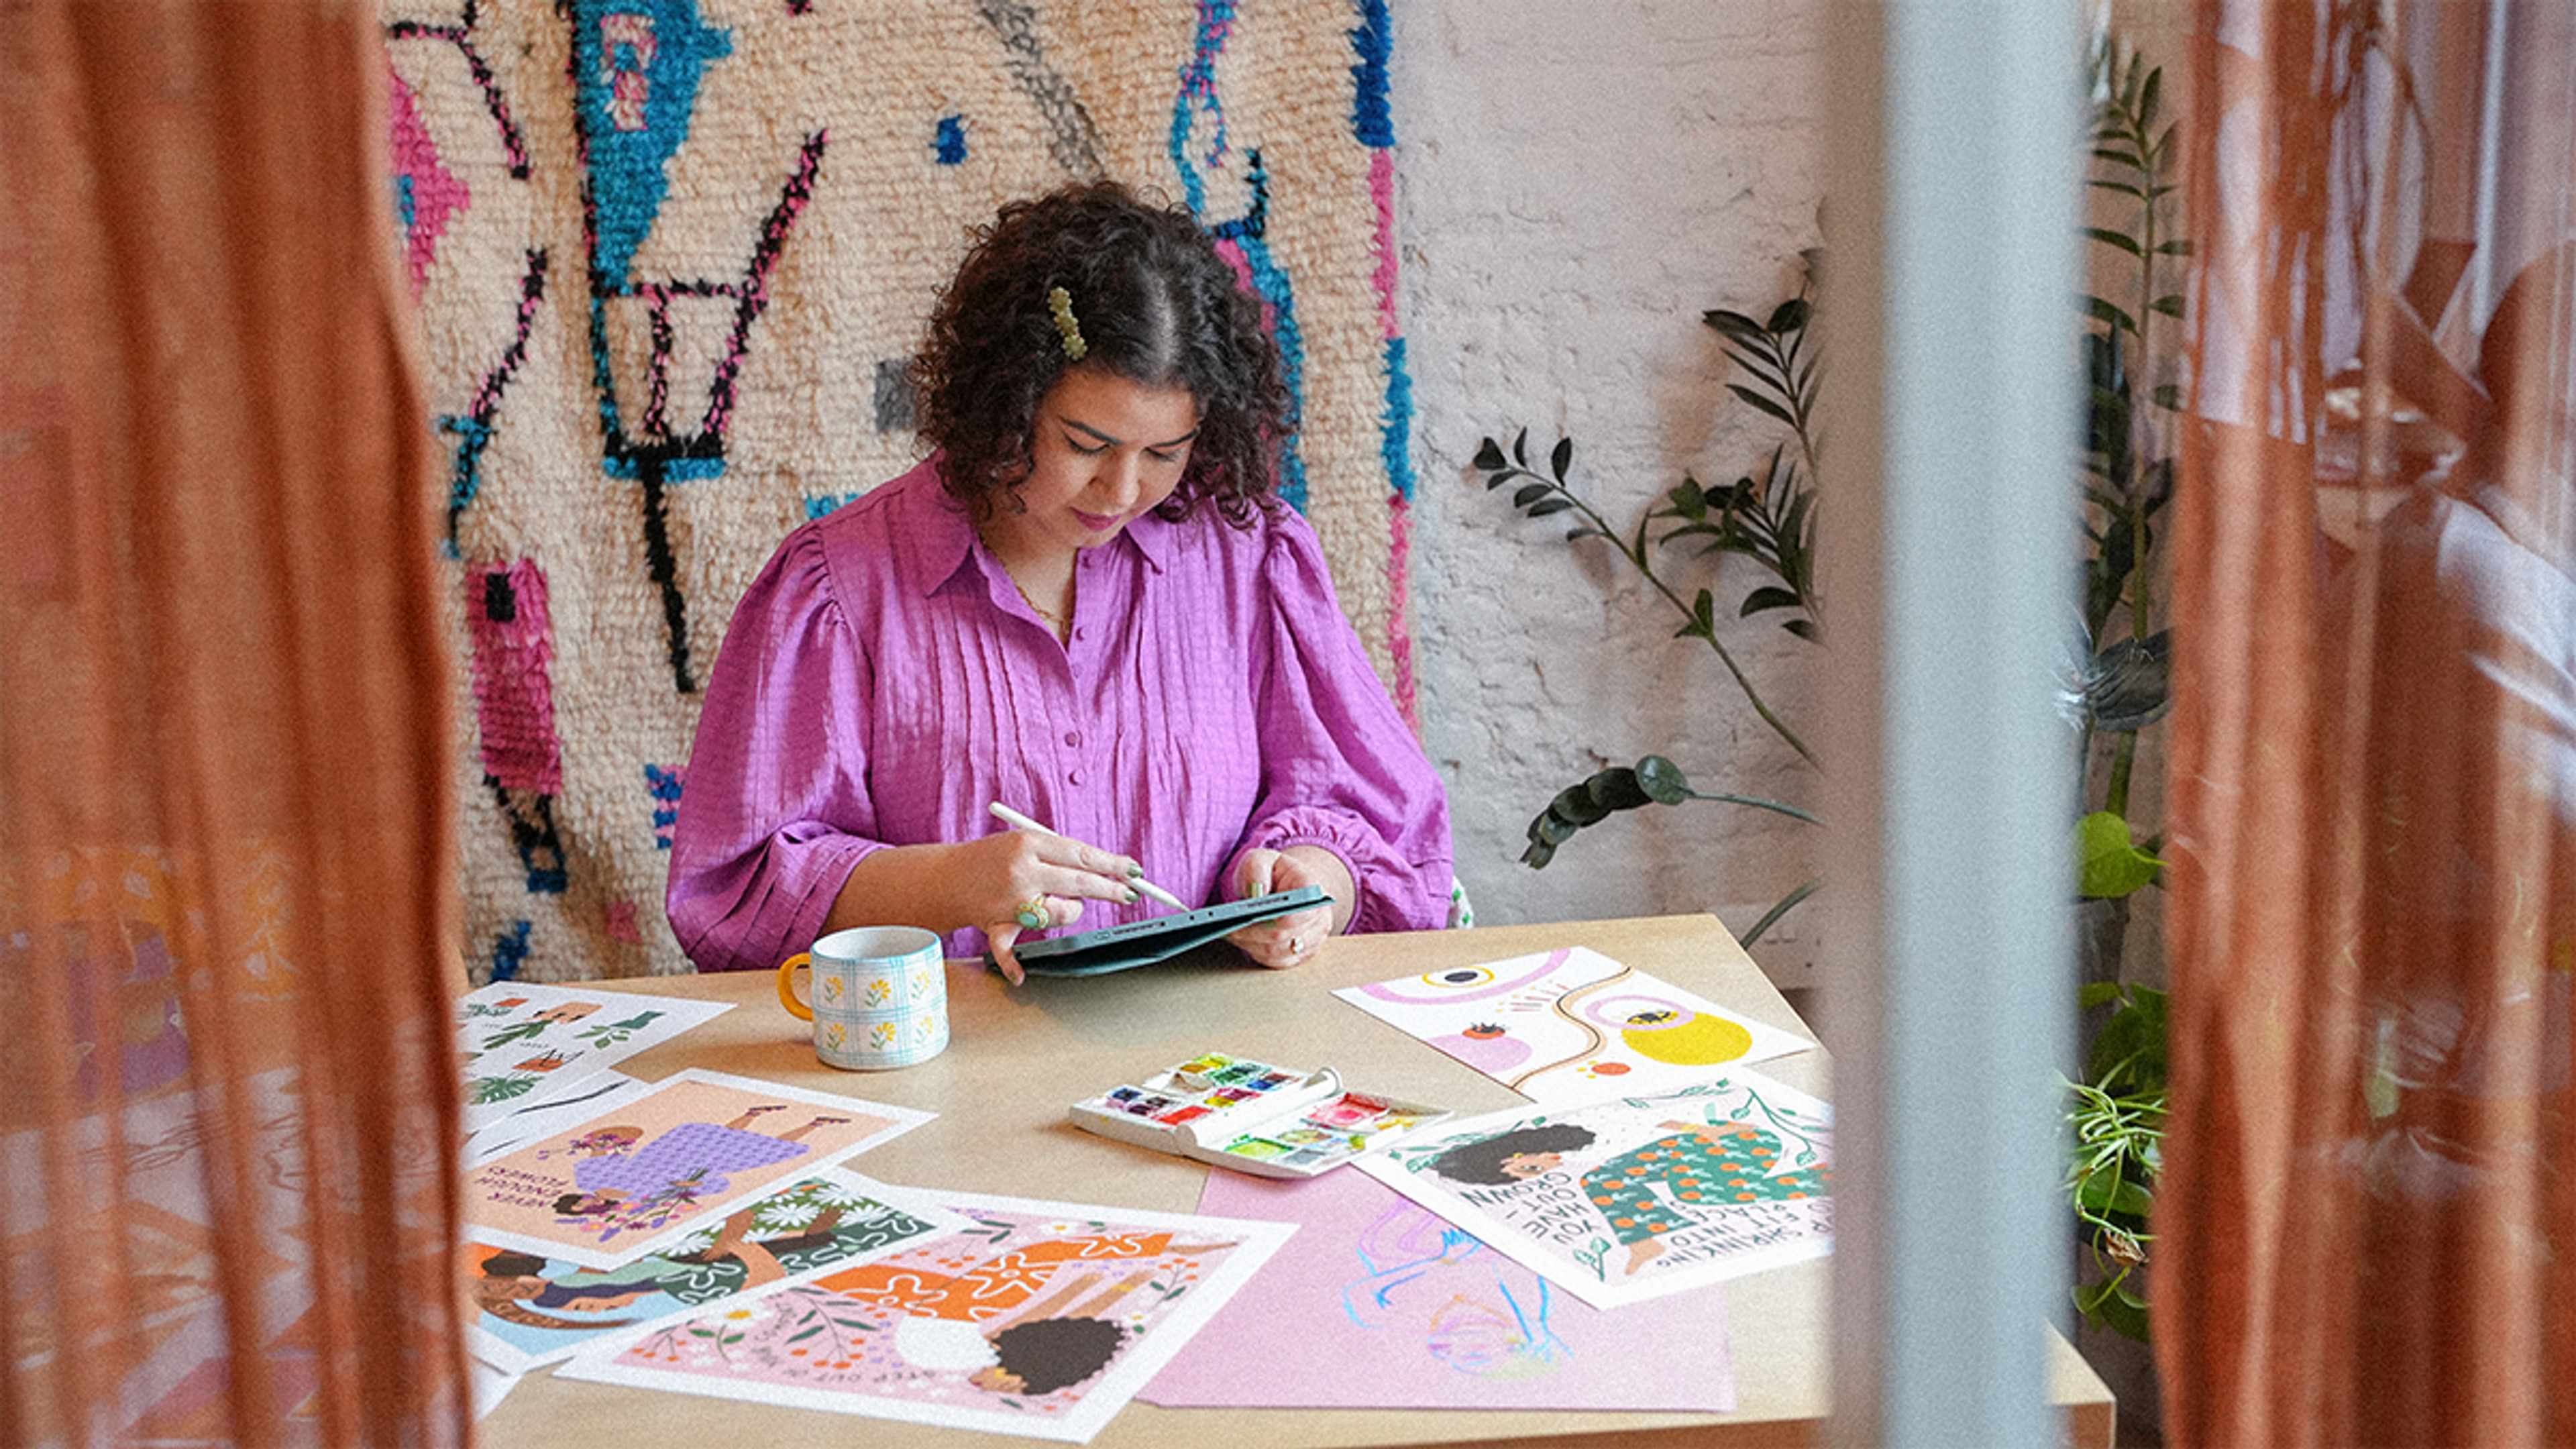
[
  {"x": 1048, "y": 1353},
  {"x": 1156, "y": 304},
  {"x": 1481, "y": 1161}
]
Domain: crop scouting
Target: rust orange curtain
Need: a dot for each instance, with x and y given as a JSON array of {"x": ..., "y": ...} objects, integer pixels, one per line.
[
  {"x": 226, "y": 901},
  {"x": 2367, "y": 1219}
]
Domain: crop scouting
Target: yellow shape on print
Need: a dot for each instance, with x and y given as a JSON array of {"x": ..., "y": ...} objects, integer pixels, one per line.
[
  {"x": 835, "y": 1035},
  {"x": 1695, "y": 1041},
  {"x": 832, "y": 990},
  {"x": 881, "y": 1035},
  {"x": 879, "y": 989}
]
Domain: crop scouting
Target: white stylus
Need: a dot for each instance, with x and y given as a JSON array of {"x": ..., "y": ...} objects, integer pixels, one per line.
[{"x": 1011, "y": 817}]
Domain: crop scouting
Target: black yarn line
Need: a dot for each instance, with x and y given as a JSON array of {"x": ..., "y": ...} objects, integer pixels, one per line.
[
  {"x": 468, "y": 483},
  {"x": 752, "y": 297},
  {"x": 659, "y": 562},
  {"x": 1075, "y": 141},
  {"x": 461, "y": 36}
]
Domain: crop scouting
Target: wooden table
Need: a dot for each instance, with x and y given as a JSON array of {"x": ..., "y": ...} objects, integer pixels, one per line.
[{"x": 1018, "y": 1057}]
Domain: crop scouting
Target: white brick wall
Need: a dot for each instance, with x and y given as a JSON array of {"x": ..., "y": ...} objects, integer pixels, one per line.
[{"x": 1578, "y": 181}]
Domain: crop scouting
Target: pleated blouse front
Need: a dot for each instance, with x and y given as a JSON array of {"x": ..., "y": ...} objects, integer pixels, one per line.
[{"x": 882, "y": 682}]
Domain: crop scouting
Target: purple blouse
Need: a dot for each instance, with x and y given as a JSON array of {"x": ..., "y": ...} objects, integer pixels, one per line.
[{"x": 882, "y": 682}]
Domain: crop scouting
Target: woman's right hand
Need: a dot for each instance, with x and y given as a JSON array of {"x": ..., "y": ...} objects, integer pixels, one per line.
[
  {"x": 1021, "y": 880},
  {"x": 986, "y": 884}
]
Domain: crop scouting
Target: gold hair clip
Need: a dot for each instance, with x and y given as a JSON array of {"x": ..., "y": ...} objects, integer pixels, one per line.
[{"x": 1060, "y": 302}]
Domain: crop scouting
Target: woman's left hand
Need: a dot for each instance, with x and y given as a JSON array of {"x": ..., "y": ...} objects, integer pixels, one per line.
[{"x": 1293, "y": 939}]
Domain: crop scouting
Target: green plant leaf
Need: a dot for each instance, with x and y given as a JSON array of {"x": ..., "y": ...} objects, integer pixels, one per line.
[
  {"x": 1538, "y": 855},
  {"x": 2108, "y": 237},
  {"x": 2169, "y": 304},
  {"x": 1530, "y": 493},
  {"x": 2095, "y": 1191},
  {"x": 1661, "y": 779},
  {"x": 2097, "y": 993},
  {"x": 1733, "y": 324},
  {"x": 1552, "y": 505},
  {"x": 1789, "y": 316},
  {"x": 1616, "y": 788},
  {"x": 1561, "y": 458},
  {"x": 1520, "y": 448},
  {"x": 1768, "y": 598},
  {"x": 2110, "y": 865},
  {"x": 1575, "y": 804},
  {"x": 1803, "y": 628},
  {"x": 2102, "y": 311},
  {"x": 1489, "y": 455},
  {"x": 1764, "y": 403}
]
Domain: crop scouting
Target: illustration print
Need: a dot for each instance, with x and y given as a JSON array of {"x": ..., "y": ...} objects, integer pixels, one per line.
[
  {"x": 1630, "y": 1198},
  {"x": 523, "y": 1043},
  {"x": 534, "y": 1310},
  {"x": 1572, "y": 1024},
  {"x": 1037, "y": 1318},
  {"x": 690, "y": 1148}
]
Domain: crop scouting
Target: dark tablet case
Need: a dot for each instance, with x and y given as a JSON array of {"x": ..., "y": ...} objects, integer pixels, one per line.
[{"x": 1155, "y": 938}]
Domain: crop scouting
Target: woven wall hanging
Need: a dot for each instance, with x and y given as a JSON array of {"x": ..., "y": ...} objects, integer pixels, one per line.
[{"x": 672, "y": 257}]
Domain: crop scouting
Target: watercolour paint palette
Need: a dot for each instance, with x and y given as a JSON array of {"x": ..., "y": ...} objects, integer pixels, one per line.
[{"x": 1251, "y": 1116}]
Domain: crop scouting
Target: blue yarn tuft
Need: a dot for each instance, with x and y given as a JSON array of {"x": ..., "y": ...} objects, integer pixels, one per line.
[
  {"x": 1371, "y": 119},
  {"x": 510, "y": 952}
]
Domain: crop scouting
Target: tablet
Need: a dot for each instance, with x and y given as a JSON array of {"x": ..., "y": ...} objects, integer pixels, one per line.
[{"x": 1155, "y": 938}]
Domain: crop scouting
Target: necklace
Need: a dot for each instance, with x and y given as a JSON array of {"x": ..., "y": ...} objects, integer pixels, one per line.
[{"x": 1058, "y": 622}]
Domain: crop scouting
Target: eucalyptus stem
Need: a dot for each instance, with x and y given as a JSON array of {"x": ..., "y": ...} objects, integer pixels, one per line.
[{"x": 1757, "y": 802}]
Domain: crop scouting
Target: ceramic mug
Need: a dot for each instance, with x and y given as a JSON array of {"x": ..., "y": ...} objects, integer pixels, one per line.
[{"x": 877, "y": 995}]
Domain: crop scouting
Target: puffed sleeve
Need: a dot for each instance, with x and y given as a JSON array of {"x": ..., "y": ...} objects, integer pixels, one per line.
[
  {"x": 1339, "y": 767},
  {"x": 774, "y": 811}
]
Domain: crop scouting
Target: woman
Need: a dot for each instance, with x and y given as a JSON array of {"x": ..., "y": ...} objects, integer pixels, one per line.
[{"x": 1086, "y": 605}]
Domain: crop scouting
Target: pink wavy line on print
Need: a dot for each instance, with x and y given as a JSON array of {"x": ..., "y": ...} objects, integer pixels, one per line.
[
  {"x": 513, "y": 637},
  {"x": 1593, "y": 1037}
]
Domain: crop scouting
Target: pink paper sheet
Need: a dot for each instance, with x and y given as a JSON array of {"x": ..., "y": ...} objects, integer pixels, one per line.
[{"x": 1375, "y": 1303}]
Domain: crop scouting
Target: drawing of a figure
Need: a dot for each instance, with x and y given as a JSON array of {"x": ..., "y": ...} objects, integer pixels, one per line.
[
  {"x": 1457, "y": 1293},
  {"x": 1006, "y": 1323},
  {"x": 1702, "y": 1164},
  {"x": 566, "y": 1012},
  {"x": 623, "y": 1183},
  {"x": 512, "y": 1286}
]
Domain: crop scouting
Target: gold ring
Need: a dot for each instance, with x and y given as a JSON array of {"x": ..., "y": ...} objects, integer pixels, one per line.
[{"x": 1034, "y": 915}]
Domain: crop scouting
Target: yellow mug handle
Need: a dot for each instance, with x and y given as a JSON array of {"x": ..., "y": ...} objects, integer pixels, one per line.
[{"x": 787, "y": 985}]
